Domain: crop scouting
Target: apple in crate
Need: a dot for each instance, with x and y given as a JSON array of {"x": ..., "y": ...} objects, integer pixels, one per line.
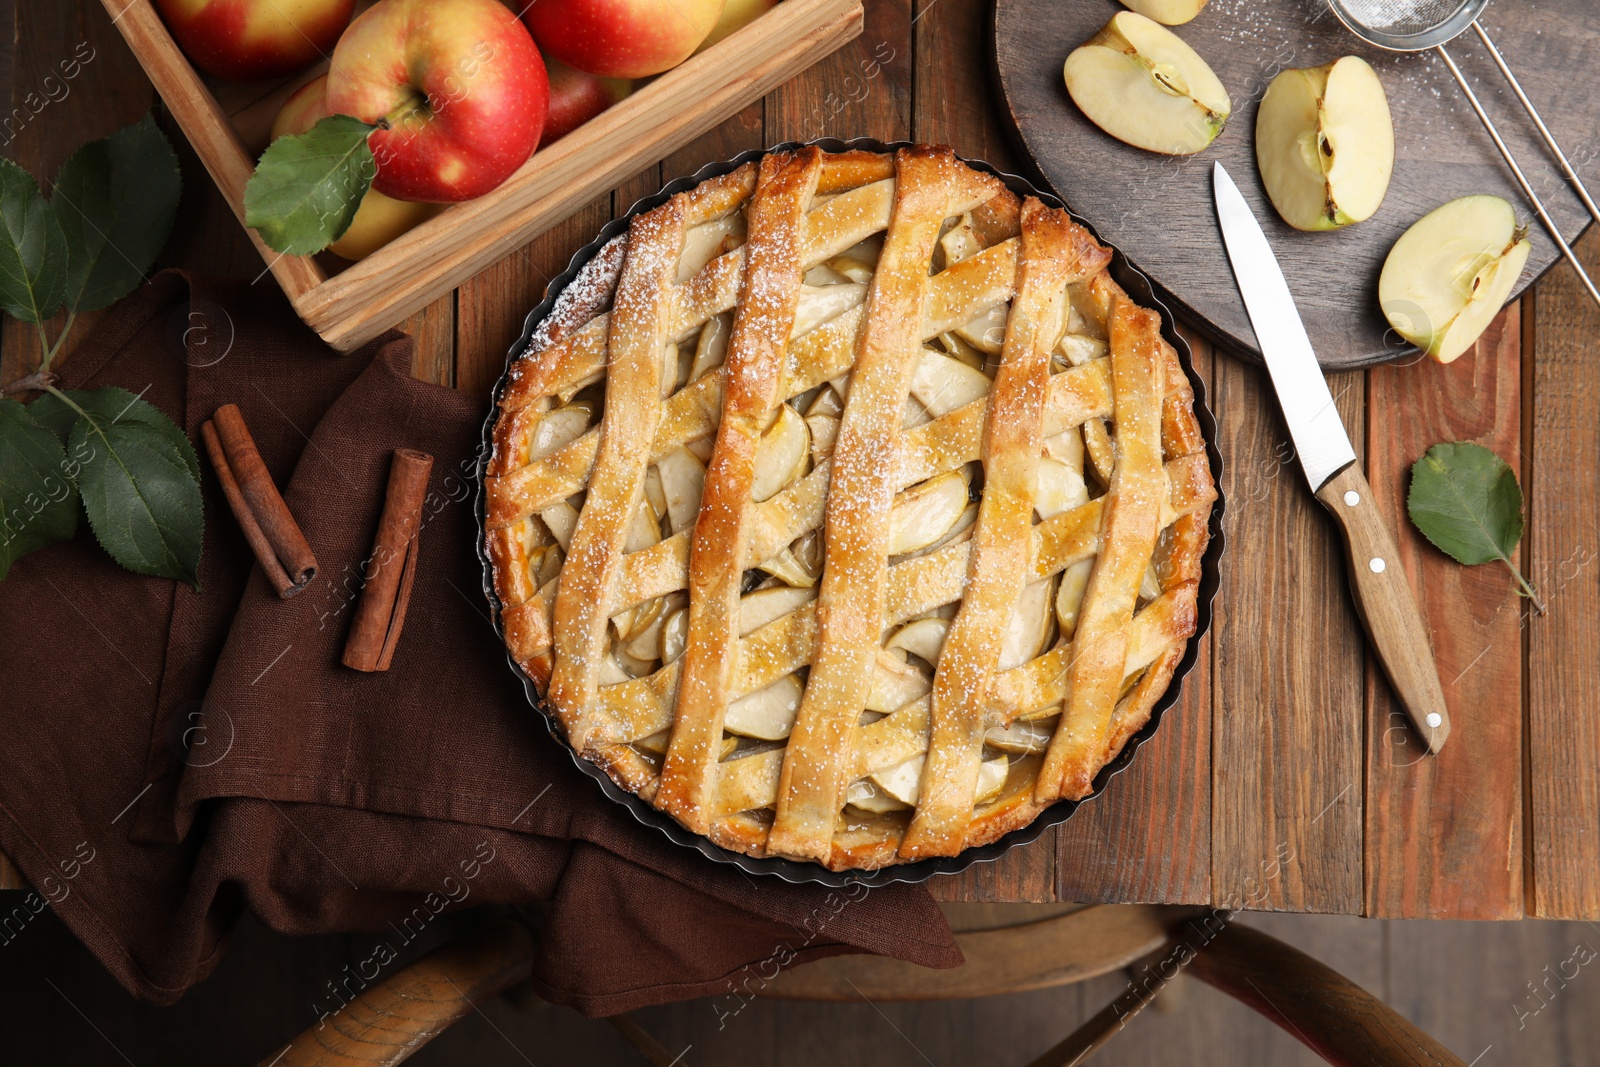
[
  {"x": 736, "y": 15},
  {"x": 576, "y": 97},
  {"x": 252, "y": 40},
  {"x": 379, "y": 219},
  {"x": 456, "y": 88},
  {"x": 621, "y": 38},
  {"x": 1451, "y": 272}
]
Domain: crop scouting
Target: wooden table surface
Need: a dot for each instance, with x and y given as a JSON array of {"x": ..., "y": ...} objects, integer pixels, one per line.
[{"x": 1286, "y": 777}]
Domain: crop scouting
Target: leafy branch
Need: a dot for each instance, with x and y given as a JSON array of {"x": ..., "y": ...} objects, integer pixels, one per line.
[{"x": 134, "y": 471}]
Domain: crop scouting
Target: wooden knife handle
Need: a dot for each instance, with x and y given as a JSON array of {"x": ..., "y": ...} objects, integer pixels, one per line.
[{"x": 1388, "y": 610}]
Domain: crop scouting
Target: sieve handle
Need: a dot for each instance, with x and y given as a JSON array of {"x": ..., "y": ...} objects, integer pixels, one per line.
[
  {"x": 1544, "y": 131},
  {"x": 1522, "y": 179}
]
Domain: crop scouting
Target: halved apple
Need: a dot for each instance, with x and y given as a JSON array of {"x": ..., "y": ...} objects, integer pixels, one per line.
[
  {"x": 1451, "y": 272},
  {"x": 1325, "y": 144},
  {"x": 1140, "y": 83},
  {"x": 1167, "y": 12}
]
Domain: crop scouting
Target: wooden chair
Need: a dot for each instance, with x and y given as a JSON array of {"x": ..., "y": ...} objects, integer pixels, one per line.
[{"x": 1009, "y": 949}]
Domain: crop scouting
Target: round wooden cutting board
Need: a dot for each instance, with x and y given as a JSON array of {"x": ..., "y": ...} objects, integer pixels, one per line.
[{"x": 1158, "y": 209}]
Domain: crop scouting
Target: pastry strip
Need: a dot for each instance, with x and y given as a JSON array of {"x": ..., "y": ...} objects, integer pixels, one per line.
[
  {"x": 930, "y": 186},
  {"x": 637, "y": 343},
  {"x": 1131, "y": 515},
  {"x": 1054, "y": 252},
  {"x": 753, "y": 372}
]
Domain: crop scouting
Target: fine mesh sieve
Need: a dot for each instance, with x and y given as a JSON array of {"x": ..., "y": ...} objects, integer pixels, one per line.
[{"x": 1416, "y": 25}]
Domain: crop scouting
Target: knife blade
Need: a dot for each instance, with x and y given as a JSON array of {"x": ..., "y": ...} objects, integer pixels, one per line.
[
  {"x": 1383, "y": 597},
  {"x": 1319, "y": 436}
]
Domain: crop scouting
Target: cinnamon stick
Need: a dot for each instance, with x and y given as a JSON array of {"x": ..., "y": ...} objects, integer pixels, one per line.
[
  {"x": 392, "y": 567},
  {"x": 274, "y": 536}
]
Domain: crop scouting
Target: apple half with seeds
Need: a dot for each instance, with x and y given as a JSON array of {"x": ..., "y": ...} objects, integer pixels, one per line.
[
  {"x": 1325, "y": 144},
  {"x": 1451, "y": 272},
  {"x": 1166, "y": 12},
  {"x": 1140, "y": 83}
]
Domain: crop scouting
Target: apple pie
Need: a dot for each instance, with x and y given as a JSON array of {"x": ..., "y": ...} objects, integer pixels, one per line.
[{"x": 847, "y": 510}]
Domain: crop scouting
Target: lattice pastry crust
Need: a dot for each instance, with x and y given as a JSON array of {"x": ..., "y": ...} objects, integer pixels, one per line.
[{"x": 847, "y": 510}]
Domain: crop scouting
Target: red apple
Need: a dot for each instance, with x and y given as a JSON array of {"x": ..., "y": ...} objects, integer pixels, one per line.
[
  {"x": 379, "y": 219},
  {"x": 576, "y": 97},
  {"x": 252, "y": 40},
  {"x": 621, "y": 38},
  {"x": 457, "y": 87}
]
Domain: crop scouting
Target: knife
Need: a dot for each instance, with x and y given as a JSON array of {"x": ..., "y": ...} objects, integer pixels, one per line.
[{"x": 1383, "y": 597}]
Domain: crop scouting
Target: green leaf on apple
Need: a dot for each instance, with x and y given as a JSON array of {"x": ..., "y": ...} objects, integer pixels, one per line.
[
  {"x": 33, "y": 250},
  {"x": 115, "y": 200},
  {"x": 307, "y": 187}
]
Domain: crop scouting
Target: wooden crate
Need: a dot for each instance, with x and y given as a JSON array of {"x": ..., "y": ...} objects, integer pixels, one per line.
[{"x": 351, "y": 306}]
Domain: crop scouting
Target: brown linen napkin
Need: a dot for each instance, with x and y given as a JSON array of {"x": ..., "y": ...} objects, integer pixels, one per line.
[{"x": 175, "y": 757}]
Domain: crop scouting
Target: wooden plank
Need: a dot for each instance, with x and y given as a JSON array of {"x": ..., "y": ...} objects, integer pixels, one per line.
[
  {"x": 956, "y": 113},
  {"x": 1287, "y": 701},
  {"x": 636, "y": 188},
  {"x": 1564, "y": 644},
  {"x": 955, "y": 99},
  {"x": 208, "y": 239},
  {"x": 1444, "y": 833},
  {"x": 823, "y": 103},
  {"x": 740, "y": 133},
  {"x": 1148, "y": 839},
  {"x": 866, "y": 87},
  {"x": 433, "y": 335}
]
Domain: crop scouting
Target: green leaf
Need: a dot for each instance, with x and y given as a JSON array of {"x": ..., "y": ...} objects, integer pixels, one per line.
[
  {"x": 38, "y": 501},
  {"x": 118, "y": 405},
  {"x": 33, "y": 250},
  {"x": 1466, "y": 501},
  {"x": 140, "y": 492},
  {"x": 116, "y": 200},
  {"x": 51, "y": 412},
  {"x": 307, "y": 187}
]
